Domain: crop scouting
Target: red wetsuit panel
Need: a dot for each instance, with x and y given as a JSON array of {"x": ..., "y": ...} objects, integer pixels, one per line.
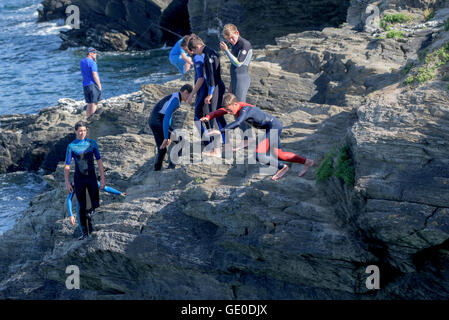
[
  {"x": 263, "y": 147},
  {"x": 222, "y": 111}
]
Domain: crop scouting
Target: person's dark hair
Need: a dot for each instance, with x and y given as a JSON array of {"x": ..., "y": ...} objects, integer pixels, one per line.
[
  {"x": 194, "y": 42},
  {"x": 187, "y": 87},
  {"x": 80, "y": 124},
  {"x": 228, "y": 99}
]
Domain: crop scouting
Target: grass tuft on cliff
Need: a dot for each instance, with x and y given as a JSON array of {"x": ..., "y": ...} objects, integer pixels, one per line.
[
  {"x": 338, "y": 164},
  {"x": 391, "y": 19},
  {"x": 431, "y": 63},
  {"x": 429, "y": 14},
  {"x": 395, "y": 34}
]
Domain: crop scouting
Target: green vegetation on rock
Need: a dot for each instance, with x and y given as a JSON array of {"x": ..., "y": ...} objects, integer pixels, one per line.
[
  {"x": 395, "y": 34},
  {"x": 431, "y": 62},
  {"x": 429, "y": 14},
  {"x": 339, "y": 165},
  {"x": 390, "y": 19}
]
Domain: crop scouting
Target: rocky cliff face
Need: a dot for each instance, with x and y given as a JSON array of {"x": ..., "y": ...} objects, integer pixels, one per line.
[
  {"x": 120, "y": 25},
  {"x": 262, "y": 21},
  {"x": 209, "y": 231}
]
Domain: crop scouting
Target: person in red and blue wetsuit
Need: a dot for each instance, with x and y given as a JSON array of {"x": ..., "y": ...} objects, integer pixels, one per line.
[
  {"x": 260, "y": 120},
  {"x": 84, "y": 150},
  {"x": 215, "y": 85}
]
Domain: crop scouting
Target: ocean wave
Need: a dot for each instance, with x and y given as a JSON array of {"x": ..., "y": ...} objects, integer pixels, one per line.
[{"x": 48, "y": 28}]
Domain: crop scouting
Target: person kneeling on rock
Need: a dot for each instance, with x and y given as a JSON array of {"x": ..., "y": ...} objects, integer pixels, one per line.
[
  {"x": 84, "y": 150},
  {"x": 260, "y": 120}
]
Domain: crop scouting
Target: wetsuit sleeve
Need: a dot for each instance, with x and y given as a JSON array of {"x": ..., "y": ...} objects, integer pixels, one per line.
[
  {"x": 199, "y": 67},
  {"x": 69, "y": 203},
  {"x": 109, "y": 189},
  {"x": 243, "y": 56},
  {"x": 211, "y": 67},
  {"x": 95, "y": 150},
  {"x": 218, "y": 113},
  {"x": 168, "y": 117},
  {"x": 245, "y": 113},
  {"x": 68, "y": 155}
]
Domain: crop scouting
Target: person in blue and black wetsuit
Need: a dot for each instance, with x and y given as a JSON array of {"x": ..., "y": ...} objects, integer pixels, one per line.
[
  {"x": 89, "y": 220},
  {"x": 84, "y": 150},
  {"x": 215, "y": 85},
  {"x": 160, "y": 122},
  {"x": 266, "y": 151},
  {"x": 200, "y": 90}
]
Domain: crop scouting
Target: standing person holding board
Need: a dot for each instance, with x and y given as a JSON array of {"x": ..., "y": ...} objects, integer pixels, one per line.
[
  {"x": 91, "y": 81},
  {"x": 84, "y": 150}
]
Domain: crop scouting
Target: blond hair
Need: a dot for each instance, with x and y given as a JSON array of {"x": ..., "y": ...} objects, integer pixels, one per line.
[
  {"x": 228, "y": 99},
  {"x": 229, "y": 29}
]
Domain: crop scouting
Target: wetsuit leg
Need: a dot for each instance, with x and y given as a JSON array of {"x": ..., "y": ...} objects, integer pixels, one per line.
[
  {"x": 285, "y": 155},
  {"x": 263, "y": 152},
  {"x": 158, "y": 133},
  {"x": 80, "y": 191},
  {"x": 240, "y": 85},
  {"x": 200, "y": 111},
  {"x": 217, "y": 98},
  {"x": 94, "y": 195},
  {"x": 180, "y": 141}
]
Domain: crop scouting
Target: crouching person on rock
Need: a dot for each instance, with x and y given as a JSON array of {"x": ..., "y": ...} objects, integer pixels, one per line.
[
  {"x": 268, "y": 151},
  {"x": 83, "y": 151},
  {"x": 160, "y": 122}
]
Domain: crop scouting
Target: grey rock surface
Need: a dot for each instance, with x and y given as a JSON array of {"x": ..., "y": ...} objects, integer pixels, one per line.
[{"x": 227, "y": 231}]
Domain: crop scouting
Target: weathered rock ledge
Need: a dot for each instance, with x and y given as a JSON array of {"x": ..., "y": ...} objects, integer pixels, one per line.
[{"x": 205, "y": 231}]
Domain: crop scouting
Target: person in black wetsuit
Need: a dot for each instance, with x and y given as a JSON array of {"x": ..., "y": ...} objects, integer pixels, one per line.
[
  {"x": 215, "y": 85},
  {"x": 160, "y": 122},
  {"x": 84, "y": 150},
  {"x": 266, "y": 151}
]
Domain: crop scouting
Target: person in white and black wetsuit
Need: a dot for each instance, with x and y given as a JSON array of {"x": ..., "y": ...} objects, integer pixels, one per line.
[
  {"x": 215, "y": 85},
  {"x": 240, "y": 58}
]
